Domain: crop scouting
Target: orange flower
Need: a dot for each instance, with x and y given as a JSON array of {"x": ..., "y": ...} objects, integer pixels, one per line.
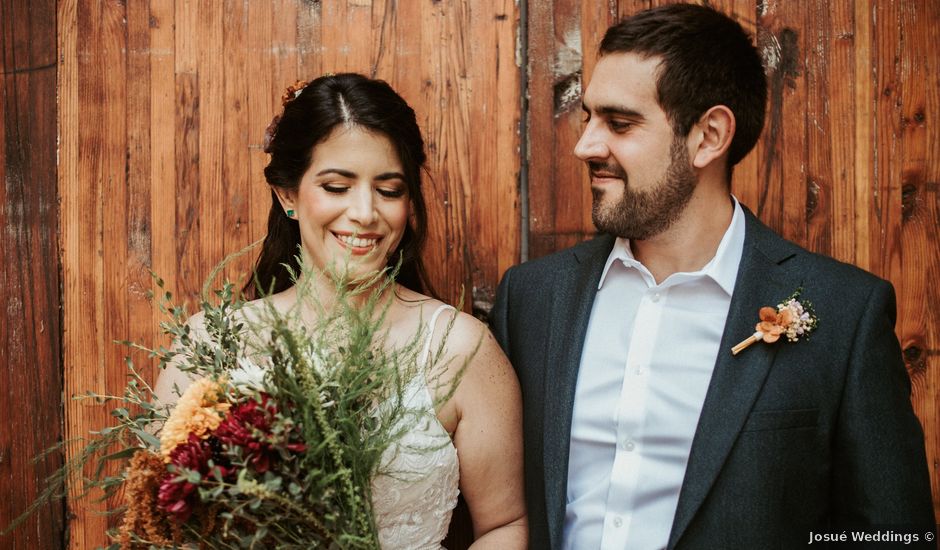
[
  {"x": 773, "y": 323},
  {"x": 293, "y": 91},
  {"x": 199, "y": 411}
]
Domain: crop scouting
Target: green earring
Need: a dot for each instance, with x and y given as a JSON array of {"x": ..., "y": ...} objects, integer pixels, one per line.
[{"x": 290, "y": 213}]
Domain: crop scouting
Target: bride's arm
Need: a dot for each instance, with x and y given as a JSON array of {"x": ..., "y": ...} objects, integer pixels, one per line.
[{"x": 489, "y": 439}]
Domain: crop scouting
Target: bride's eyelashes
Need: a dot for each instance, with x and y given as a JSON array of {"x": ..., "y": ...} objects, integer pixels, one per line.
[
  {"x": 334, "y": 188},
  {"x": 387, "y": 192},
  {"x": 392, "y": 192}
]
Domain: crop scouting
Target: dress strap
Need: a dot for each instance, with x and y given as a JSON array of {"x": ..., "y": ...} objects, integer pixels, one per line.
[{"x": 426, "y": 352}]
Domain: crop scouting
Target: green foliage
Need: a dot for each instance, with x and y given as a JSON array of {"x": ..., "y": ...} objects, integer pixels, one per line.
[{"x": 339, "y": 387}]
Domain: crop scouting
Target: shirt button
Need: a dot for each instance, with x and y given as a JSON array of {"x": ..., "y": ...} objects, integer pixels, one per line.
[
  {"x": 629, "y": 445},
  {"x": 618, "y": 523},
  {"x": 655, "y": 298}
]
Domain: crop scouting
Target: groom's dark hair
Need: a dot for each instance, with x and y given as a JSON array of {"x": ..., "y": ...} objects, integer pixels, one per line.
[{"x": 707, "y": 60}]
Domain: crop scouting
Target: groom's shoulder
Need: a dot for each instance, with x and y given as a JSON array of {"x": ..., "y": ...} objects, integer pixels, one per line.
[
  {"x": 838, "y": 277},
  {"x": 595, "y": 249}
]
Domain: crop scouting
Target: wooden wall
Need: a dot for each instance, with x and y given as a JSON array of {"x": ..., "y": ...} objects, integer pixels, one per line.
[
  {"x": 30, "y": 328},
  {"x": 162, "y": 105}
]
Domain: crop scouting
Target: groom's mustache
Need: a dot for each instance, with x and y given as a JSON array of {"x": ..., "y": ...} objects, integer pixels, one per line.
[{"x": 606, "y": 170}]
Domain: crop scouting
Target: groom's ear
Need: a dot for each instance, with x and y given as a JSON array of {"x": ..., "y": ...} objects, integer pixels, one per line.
[{"x": 711, "y": 136}]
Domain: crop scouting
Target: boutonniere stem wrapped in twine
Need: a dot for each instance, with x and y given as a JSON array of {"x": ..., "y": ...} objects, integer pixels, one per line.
[{"x": 792, "y": 318}]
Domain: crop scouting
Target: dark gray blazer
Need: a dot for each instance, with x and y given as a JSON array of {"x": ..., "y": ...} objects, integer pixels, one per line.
[{"x": 792, "y": 437}]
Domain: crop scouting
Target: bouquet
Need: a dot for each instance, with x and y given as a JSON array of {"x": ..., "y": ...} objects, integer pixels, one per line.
[{"x": 276, "y": 440}]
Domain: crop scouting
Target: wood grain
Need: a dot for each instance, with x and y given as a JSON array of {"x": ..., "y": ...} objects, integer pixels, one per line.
[{"x": 30, "y": 329}]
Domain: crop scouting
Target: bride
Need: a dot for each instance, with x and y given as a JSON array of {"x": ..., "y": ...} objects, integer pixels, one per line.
[{"x": 345, "y": 174}]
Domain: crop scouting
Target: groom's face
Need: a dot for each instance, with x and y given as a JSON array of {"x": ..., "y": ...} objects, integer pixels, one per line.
[{"x": 641, "y": 177}]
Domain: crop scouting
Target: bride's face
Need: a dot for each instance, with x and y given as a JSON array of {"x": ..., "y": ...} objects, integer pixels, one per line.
[{"x": 352, "y": 203}]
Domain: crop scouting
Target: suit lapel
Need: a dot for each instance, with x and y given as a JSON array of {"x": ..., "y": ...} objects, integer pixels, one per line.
[
  {"x": 736, "y": 380},
  {"x": 573, "y": 295}
]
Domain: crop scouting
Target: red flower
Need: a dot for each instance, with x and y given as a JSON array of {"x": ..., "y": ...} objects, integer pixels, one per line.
[
  {"x": 248, "y": 426},
  {"x": 177, "y": 496}
]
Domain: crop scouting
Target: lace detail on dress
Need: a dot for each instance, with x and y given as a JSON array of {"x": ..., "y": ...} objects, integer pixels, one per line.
[{"x": 416, "y": 491}]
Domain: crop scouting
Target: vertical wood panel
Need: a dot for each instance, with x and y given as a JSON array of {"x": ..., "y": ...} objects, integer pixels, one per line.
[
  {"x": 863, "y": 168},
  {"x": 559, "y": 195},
  {"x": 237, "y": 134},
  {"x": 915, "y": 183},
  {"x": 98, "y": 313},
  {"x": 162, "y": 98},
  {"x": 30, "y": 330}
]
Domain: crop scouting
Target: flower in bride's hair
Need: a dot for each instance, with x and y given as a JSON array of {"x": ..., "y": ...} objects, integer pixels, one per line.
[
  {"x": 199, "y": 411},
  {"x": 269, "y": 134},
  {"x": 293, "y": 91}
]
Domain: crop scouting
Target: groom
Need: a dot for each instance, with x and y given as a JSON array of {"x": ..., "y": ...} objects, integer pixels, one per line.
[{"x": 642, "y": 429}]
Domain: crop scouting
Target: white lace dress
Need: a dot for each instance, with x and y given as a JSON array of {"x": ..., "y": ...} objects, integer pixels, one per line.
[{"x": 416, "y": 491}]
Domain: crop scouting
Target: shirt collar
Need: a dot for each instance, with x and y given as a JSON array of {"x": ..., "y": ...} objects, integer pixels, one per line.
[{"x": 722, "y": 268}]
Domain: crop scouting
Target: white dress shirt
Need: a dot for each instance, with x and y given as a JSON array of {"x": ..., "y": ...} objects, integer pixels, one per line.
[{"x": 645, "y": 368}]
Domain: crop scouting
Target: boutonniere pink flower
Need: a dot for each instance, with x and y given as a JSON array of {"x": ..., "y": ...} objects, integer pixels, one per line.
[{"x": 792, "y": 318}]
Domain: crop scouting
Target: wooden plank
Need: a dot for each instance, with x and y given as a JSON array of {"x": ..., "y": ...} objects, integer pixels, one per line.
[
  {"x": 237, "y": 178},
  {"x": 505, "y": 176},
  {"x": 30, "y": 331},
  {"x": 918, "y": 171},
  {"x": 309, "y": 48},
  {"x": 140, "y": 317},
  {"x": 818, "y": 24},
  {"x": 927, "y": 358},
  {"x": 781, "y": 203},
  {"x": 101, "y": 200},
  {"x": 444, "y": 120},
  {"x": 490, "y": 44},
  {"x": 844, "y": 115},
  {"x": 554, "y": 74},
  {"x": 189, "y": 169},
  {"x": 210, "y": 99},
  {"x": 263, "y": 102},
  {"x": 163, "y": 146},
  {"x": 865, "y": 94}
]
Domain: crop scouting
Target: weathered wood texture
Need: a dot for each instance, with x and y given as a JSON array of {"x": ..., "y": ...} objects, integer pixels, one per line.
[
  {"x": 163, "y": 106},
  {"x": 848, "y": 164},
  {"x": 30, "y": 330}
]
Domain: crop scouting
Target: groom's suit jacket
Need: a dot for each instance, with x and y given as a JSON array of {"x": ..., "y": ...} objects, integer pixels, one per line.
[{"x": 792, "y": 437}]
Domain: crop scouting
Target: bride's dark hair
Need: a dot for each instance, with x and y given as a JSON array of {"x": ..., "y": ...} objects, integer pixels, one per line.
[{"x": 310, "y": 114}]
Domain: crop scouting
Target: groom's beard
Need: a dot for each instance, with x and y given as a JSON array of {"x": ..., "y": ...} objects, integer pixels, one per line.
[{"x": 642, "y": 214}]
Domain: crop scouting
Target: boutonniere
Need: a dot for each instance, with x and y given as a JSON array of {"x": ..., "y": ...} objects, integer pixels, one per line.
[{"x": 792, "y": 318}]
